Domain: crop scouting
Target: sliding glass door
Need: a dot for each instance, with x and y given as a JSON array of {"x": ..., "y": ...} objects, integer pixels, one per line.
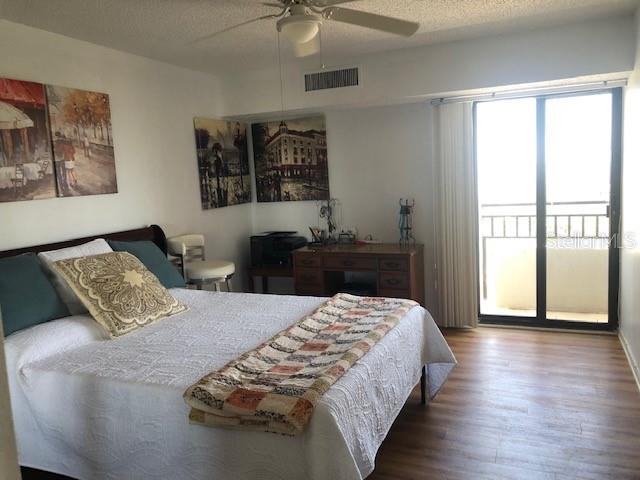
[
  {"x": 507, "y": 165},
  {"x": 548, "y": 196}
]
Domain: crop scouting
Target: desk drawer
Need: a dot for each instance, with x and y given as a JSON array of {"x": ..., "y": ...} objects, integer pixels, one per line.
[
  {"x": 394, "y": 264},
  {"x": 308, "y": 276},
  {"x": 390, "y": 293},
  {"x": 340, "y": 262},
  {"x": 307, "y": 260},
  {"x": 395, "y": 281},
  {"x": 310, "y": 291}
]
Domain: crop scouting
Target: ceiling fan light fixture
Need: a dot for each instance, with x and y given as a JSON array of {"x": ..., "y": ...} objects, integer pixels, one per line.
[{"x": 299, "y": 28}]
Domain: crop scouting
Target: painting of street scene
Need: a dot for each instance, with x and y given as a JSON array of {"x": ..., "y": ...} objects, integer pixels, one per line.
[
  {"x": 223, "y": 162},
  {"x": 82, "y": 141},
  {"x": 290, "y": 160},
  {"x": 26, "y": 167}
]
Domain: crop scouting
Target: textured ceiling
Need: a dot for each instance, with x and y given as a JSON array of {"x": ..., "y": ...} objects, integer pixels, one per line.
[{"x": 162, "y": 29}]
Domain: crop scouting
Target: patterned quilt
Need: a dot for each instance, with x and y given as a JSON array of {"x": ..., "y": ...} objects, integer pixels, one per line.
[{"x": 275, "y": 387}]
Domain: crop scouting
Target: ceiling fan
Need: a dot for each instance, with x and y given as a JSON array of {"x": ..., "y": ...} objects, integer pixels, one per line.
[{"x": 299, "y": 21}]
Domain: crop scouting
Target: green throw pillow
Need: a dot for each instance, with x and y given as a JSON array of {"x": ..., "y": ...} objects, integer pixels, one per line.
[
  {"x": 155, "y": 261},
  {"x": 27, "y": 297}
]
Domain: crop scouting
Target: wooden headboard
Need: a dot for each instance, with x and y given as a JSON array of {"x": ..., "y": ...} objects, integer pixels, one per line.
[{"x": 153, "y": 233}]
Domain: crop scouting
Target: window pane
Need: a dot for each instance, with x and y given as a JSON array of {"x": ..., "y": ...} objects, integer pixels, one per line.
[
  {"x": 578, "y": 164},
  {"x": 506, "y": 156}
]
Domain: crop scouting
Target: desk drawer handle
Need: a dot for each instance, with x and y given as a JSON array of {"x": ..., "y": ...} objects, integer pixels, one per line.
[
  {"x": 306, "y": 261},
  {"x": 348, "y": 263},
  {"x": 393, "y": 281},
  {"x": 393, "y": 264}
]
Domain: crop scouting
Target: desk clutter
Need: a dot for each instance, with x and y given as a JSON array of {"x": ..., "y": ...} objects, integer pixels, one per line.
[{"x": 336, "y": 261}]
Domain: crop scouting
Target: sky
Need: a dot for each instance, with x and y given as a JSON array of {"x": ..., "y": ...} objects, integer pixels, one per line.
[
  {"x": 578, "y": 149},
  {"x": 300, "y": 124}
]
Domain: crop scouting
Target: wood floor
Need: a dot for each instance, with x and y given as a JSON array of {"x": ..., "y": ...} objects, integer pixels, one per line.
[{"x": 522, "y": 405}]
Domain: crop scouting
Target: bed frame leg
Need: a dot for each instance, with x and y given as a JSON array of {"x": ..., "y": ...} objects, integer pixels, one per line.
[{"x": 423, "y": 386}]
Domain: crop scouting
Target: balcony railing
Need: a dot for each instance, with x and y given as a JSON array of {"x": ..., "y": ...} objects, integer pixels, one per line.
[
  {"x": 559, "y": 225},
  {"x": 580, "y": 221}
]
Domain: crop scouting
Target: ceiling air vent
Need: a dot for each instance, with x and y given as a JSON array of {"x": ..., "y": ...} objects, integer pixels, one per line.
[{"x": 345, "y": 77}]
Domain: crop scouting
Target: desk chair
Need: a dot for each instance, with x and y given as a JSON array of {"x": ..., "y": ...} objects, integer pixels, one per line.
[{"x": 189, "y": 250}]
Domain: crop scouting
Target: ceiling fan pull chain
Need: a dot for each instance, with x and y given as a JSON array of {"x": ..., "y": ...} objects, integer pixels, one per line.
[
  {"x": 280, "y": 69},
  {"x": 322, "y": 65}
]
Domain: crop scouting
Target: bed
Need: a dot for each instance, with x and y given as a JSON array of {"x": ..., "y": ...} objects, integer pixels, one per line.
[{"x": 90, "y": 408}]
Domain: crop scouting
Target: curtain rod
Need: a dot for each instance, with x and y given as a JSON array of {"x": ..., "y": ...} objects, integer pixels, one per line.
[{"x": 528, "y": 92}]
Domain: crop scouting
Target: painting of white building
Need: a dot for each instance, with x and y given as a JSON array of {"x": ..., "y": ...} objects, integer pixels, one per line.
[{"x": 290, "y": 159}]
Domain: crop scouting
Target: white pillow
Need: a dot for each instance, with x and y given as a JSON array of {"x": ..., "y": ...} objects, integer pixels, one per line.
[
  {"x": 40, "y": 341},
  {"x": 94, "y": 247}
]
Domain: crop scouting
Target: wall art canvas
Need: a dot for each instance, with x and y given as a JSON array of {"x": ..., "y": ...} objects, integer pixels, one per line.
[
  {"x": 82, "y": 141},
  {"x": 26, "y": 163},
  {"x": 223, "y": 162},
  {"x": 290, "y": 159}
]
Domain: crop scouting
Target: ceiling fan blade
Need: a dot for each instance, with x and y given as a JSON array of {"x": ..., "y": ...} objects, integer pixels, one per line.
[
  {"x": 220, "y": 32},
  {"x": 329, "y": 3},
  {"x": 371, "y": 20},
  {"x": 307, "y": 49}
]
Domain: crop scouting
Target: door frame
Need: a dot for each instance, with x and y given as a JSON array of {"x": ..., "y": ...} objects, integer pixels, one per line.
[{"x": 541, "y": 320}]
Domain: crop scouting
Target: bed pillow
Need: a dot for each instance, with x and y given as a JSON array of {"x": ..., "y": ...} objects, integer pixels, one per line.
[
  {"x": 152, "y": 258},
  {"x": 94, "y": 247},
  {"x": 117, "y": 289},
  {"x": 27, "y": 297}
]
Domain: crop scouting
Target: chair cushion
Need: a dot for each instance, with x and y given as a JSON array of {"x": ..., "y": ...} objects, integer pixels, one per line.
[
  {"x": 178, "y": 245},
  {"x": 94, "y": 247},
  {"x": 27, "y": 297},
  {"x": 209, "y": 269},
  {"x": 119, "y": 291},
  {"x": 155, "y": 261}
]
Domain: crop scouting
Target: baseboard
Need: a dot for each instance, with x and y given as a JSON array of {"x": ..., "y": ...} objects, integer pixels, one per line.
[
  {"x": 547, "y": 329},
  {"x": 632, "y": 361}
]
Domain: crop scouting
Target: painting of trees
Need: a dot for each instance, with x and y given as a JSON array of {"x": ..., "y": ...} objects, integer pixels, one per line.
[
  {"x": 88, "y": 110},
  {"x": 82, "y": 140}
]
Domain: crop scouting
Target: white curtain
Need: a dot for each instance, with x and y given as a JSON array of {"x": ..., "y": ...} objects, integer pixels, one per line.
[{"x": 456, "y": 216}]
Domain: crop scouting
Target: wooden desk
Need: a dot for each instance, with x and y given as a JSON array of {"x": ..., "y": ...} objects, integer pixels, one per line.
[
  {"x": 266, "y": 271},
  {"x": 397, "y": 271}
]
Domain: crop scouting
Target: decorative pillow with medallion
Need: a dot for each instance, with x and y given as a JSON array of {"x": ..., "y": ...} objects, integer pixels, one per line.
[{"x": 118, "y": 290}]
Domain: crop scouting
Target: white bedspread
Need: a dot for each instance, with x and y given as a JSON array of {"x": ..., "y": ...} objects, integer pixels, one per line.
[{"x": 93, "y": 408}]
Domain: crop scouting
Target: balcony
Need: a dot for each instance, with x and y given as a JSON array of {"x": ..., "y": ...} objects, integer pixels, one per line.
[{"x": 577, "y": 260}]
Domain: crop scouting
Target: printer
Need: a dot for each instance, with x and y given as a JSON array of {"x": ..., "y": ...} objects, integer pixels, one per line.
[{"x": 274, "y": 248}]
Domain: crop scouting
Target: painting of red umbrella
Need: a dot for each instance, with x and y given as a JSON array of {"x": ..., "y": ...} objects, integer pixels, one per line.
[{"x": 26, "y": 164}]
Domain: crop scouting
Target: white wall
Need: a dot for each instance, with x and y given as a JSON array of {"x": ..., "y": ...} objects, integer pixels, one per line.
[
  {"x": 597, "y": 47},
  {"x": 152, "y": 108},
  {"x": 511, "y": 276},
  {"x": 630, "y": 256}
]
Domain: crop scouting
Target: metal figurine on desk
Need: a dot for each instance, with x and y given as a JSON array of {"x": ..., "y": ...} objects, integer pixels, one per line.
[
  {"x": 327, "y": 211},
  {"x": 405, "y": 223}
]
